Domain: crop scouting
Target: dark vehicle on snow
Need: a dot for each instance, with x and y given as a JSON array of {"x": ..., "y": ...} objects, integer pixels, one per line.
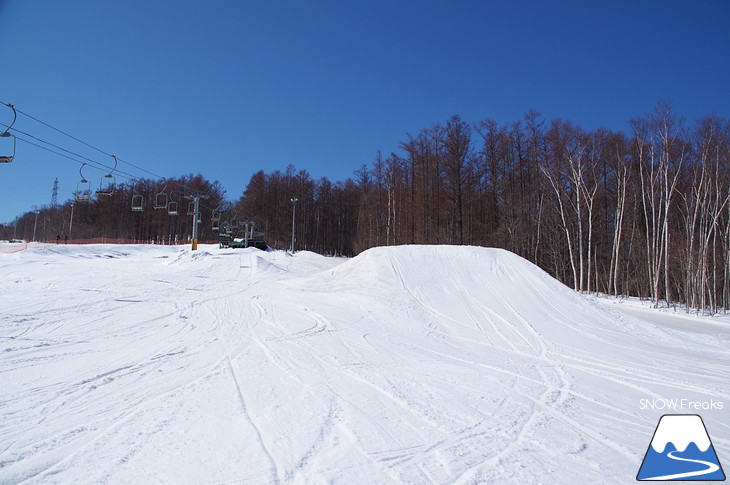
[{"x": 248, "y": 238}]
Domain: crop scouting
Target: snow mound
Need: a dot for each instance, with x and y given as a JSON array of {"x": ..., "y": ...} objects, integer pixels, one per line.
[
  {"x": 473, "y": 284},
  {"x": 429, "y": 266}
]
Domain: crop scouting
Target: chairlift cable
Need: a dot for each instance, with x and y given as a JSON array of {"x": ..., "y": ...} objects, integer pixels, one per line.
[
  {"x": 97, "y": 164},
  {"x": 89, "y": 161},
  {"x": 94, "y": 163},
  {"x": 78, "y": 140},
  {"x": 60, "y": 131}
]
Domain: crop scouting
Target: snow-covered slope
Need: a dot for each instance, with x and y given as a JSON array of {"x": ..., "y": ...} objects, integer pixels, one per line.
[{"x": 412, "y": 364}]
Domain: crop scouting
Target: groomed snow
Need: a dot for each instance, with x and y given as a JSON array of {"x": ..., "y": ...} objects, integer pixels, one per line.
[{"x": 411, "y": 364}]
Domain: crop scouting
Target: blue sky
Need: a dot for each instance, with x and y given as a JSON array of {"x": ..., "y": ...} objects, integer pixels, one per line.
[{"x": 229, "y": 87}]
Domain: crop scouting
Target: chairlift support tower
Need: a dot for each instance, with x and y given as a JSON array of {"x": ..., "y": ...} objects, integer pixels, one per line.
[
  {"x": 196, "y": 215},
  {"x": 54, "y": 194},
  {"x": 294, "y": 201}
]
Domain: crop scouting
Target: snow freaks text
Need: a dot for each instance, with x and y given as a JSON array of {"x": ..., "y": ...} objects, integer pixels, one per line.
[{"x": 680, "y": 405}]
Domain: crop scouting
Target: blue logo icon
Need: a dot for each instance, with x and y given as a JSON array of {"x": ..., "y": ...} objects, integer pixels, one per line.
[{"x": 681, "y": 450}]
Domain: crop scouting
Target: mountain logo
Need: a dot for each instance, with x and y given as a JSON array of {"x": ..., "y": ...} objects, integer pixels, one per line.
[{"x": 681, "y": 450}]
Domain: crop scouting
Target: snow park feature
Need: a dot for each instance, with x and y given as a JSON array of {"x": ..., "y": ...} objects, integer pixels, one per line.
[{"x": 409, "y": 364}]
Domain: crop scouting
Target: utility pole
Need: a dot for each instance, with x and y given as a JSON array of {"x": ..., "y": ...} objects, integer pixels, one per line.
[
  {"x": 71, "y": 222},
  {"x": 35, "y": 224},
  {"x": 293, "y": 221},
  {"x": 196, "y": 216}
]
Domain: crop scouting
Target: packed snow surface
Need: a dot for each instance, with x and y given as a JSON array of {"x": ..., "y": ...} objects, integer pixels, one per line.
[{"x": 411, "y": 364}]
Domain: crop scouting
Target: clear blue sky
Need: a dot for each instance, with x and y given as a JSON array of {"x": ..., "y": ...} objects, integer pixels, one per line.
[{"x": 229, "y": 87}]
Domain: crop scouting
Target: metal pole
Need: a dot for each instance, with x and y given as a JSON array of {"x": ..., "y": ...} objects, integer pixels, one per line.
[
  {"x": 196, "y": 209},
  {"x": 293, "y": 219},
  {"x": 245, "y": 234},
  {"x": 35, "y": 224},
  {"x": 71, "y": 224}
]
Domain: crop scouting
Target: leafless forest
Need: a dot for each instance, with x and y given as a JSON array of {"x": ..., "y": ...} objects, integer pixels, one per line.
[{"x": 644, "y": 213}]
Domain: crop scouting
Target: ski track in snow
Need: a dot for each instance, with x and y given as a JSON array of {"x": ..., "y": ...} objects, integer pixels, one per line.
[{"x": 416, "y": 364}]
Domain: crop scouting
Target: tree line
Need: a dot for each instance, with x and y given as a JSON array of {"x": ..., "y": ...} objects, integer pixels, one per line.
[
  {"x": 112, "y": 216},
  {"x": 644, "y": 213}
]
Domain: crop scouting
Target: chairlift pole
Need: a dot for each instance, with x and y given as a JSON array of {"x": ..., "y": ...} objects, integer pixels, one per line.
[
  {"x": 293, "y": 220},
  {"x": 196, "y": 215},
  {"x": 196, "y": 211}
]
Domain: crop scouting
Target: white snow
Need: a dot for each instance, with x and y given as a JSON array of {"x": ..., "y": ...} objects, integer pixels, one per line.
[
  {"x": 411, "y": 364},
  {"x": 675, "y": 317}
]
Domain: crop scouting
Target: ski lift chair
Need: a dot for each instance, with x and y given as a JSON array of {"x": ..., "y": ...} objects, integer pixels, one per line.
[
  {"x": 108, "y": 183},
  {"x": 215, "y": 217},
  {"x": 8, "y": 158},
  {"x": 161, "y": 199},
  {"x": 83, "y": 188},
  {"x": 6, "y": 134},
  {"x": 172, "y": 208},
  {"x": 137, "y": 203}
]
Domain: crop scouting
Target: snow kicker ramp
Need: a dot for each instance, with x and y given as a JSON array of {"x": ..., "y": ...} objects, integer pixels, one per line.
[{"x": 413, "y": 364}]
